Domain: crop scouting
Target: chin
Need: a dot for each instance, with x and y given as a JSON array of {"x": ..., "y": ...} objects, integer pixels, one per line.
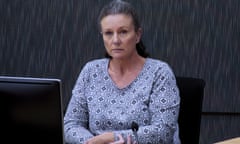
[{"x": 118, "y": 56}]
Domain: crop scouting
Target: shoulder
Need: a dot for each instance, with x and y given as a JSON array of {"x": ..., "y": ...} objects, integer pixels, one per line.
[
  {"x": 160, "y": 68},
  {"x": 158, "y": 64},
  {"x": 95, "y": 64}
]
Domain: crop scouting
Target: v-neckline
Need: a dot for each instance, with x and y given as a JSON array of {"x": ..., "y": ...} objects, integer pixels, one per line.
[{"x": 133, "y": 81}]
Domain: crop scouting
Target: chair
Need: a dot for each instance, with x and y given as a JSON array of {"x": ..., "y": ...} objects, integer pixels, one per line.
[{"x": 191, "y": 93}]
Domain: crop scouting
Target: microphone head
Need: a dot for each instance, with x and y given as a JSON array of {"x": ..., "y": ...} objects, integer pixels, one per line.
[{"x": 134, "y": 126}]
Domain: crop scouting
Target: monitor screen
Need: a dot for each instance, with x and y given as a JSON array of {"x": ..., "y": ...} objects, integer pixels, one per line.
[{"x": 31, "y": 110}]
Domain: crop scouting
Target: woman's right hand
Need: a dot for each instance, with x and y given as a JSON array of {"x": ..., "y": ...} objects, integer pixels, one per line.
[
  {"x": 121, "y": 140},
  {"x": 101, "y": 139}
]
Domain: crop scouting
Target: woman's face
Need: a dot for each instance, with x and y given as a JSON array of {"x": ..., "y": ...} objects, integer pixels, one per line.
[{"x": 119, "y": 35}]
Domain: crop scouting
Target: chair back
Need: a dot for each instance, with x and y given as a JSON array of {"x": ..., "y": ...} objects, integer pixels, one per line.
[{"x": 191, "y": 94}]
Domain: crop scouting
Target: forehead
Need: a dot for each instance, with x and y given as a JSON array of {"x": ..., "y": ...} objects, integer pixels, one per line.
[{"x": 116, "y": 20}]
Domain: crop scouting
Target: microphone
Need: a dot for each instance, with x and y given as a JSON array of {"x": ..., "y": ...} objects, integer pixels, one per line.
[{"x": 135, "y": 129}]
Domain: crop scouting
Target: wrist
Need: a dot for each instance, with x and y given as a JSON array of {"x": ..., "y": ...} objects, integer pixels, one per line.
[{"x": 108, "y": 136}]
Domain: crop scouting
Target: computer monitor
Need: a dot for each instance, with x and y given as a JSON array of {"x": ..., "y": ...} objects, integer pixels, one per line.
[{"x": 31, "y": 110}]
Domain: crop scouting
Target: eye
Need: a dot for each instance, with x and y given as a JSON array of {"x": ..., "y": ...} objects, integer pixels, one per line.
[
  {"x": 107, "y": 33},
  {"x": 123, "y": 32}
]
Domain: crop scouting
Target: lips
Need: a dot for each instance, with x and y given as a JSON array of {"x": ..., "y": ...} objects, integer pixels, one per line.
[{"x": 117, "y": 50}]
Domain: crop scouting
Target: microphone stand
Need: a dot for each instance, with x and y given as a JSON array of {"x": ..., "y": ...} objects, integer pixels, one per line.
[{"x": 135, "y": 129}]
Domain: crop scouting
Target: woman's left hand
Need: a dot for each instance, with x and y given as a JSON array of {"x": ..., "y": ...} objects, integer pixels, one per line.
[
  {"x": 121, "y": 140},
  {"x": 104, "y": 138}
]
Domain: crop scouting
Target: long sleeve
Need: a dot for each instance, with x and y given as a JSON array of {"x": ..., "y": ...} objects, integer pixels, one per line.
[
  {"x": 163, "y": 108},
  {"x": 98, "y": 105},
  {"x": 76, "y": 117}
]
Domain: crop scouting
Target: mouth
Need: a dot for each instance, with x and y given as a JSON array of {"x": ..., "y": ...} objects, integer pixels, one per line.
[{"x": 117, "y": 50}]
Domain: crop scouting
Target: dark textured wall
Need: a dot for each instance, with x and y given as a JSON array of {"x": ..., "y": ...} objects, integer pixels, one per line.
[{"x": 198, "y": 38}]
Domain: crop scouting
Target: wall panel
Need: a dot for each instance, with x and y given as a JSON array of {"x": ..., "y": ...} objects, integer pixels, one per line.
[{"x": 219, "y": 127}]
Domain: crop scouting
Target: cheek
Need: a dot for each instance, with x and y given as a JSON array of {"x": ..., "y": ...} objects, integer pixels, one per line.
[
  {"x": 131, "y": 41},
  {"x": 106, "y": 43}
]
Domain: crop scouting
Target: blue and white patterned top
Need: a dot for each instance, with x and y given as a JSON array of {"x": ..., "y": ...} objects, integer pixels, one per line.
[{"x": 97, "y": 105}]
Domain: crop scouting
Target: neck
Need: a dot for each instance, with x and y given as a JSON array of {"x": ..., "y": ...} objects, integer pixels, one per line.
[{"x": 121, "y": 66}]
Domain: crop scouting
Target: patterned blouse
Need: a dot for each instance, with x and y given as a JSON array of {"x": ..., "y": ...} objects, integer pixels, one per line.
[{"x": 97, "y": 105}]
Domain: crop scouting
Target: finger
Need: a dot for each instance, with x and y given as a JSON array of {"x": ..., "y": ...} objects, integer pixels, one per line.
[
  {"x": 120, "y": 138},
  {"x": 129, "y": 139},
  {"x": 120, "y": 141}
]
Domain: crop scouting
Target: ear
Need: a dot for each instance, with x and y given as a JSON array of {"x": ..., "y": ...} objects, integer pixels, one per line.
[{"x": 138, "y": 35}]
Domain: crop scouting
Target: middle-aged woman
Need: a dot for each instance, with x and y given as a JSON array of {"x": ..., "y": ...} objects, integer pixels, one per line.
[{"x": 127, "y": 86}]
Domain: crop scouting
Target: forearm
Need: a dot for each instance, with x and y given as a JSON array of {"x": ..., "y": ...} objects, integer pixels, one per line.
[
  {"x": 150, "y": 134},
  {"x": 161, "y": 129},
  {"x": 76, "y": 134},
  {"x": 104, "y": 138}
]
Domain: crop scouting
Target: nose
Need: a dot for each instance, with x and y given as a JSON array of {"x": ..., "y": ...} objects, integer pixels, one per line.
[{"x": 116, "y": 39}]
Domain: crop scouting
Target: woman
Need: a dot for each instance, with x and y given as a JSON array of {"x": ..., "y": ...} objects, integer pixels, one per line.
[{"x": 127, "y": 86}]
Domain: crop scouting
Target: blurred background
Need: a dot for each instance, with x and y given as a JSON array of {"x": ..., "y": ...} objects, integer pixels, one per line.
[{"x": 198, "y": 38}]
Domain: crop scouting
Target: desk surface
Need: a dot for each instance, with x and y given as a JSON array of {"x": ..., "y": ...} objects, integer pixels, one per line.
[{"x": 230, "y": 141}]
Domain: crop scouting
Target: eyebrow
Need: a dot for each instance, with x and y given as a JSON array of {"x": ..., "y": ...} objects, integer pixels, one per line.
[{"x": 122, "y": 27}]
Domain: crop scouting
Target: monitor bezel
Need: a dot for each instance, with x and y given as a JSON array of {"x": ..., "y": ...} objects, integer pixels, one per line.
[{"x": 37, "y": 81}]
